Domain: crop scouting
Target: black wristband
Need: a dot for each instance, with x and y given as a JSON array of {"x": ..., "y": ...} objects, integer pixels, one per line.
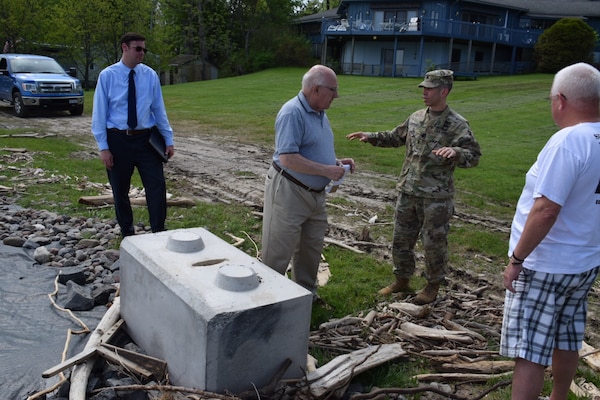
[{"x": 520, "y": 261}]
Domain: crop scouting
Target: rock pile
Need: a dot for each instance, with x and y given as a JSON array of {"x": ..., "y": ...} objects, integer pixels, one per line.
[{"x": 81, "y": 249}]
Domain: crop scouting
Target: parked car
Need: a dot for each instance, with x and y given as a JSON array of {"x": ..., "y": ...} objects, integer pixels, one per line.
[{"x": 30, "y": 82}]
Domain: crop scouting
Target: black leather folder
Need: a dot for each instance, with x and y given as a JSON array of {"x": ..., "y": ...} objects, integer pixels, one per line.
[{"x": 157, "y": 142}]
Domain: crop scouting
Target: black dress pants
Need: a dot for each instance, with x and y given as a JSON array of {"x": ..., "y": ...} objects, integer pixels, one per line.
[{"x": 130, "y": 152}]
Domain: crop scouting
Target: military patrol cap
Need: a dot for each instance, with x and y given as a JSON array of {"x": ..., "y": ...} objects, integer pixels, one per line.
[{"x": 437, "y": 78}]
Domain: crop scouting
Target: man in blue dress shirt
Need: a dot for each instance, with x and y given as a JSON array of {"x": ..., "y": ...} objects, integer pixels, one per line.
[{"x": 123, "y": 139}]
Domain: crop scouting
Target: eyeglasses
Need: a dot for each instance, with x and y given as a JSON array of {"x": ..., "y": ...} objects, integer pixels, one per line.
[
  {"x": 549, "y": 98},
  {"x": 139, "y": 49},
  {"x": 333, "y": 89}
]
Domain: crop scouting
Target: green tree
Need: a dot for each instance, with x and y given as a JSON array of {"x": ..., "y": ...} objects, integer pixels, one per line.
[
  {"x": 238, "y": 36},
  {"x": 198, "y": 27},
  {"x": 21, "y": 25},
  {"x": 89, "y": 31},
  {"x": 254, "y": 25},
  {"x": 316, "y": 6},
  {"x": 568, "y": 41}
]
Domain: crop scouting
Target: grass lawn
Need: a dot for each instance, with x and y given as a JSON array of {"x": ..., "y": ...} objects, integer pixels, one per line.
[{"x": 508, "y": 115}]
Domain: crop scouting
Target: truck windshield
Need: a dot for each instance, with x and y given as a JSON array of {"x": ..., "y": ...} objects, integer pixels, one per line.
[{"x": 35, "y": 65}]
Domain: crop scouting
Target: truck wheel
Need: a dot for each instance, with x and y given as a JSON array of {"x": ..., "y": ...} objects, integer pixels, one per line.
[
  {"x": 77, "y": 110},
  {"x": 18, "y": 105}
]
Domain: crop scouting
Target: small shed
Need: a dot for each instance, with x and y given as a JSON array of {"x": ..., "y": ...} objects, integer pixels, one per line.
[{"x": 190, "y": 68}]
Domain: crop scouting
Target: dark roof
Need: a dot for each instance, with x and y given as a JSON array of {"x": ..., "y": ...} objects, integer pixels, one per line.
[
  {"x": 539, "y": 8},
  {"x": 550, "y": 8},
  {"x": 182, "y": 59},
  {"x": 319, "y": 16}
]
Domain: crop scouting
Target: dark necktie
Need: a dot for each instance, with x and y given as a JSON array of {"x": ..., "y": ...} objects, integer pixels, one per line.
[{"x": 131, "y": 104}]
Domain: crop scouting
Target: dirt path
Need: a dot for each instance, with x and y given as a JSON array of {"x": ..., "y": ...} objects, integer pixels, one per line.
[{"x": 210, "y": 167}]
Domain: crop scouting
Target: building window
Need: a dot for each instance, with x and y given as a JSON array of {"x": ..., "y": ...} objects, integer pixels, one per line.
[
  {"x": 395, "y": 16},
  {"x": 533, "y": 23},
  {"x": 477, "y": 18}
]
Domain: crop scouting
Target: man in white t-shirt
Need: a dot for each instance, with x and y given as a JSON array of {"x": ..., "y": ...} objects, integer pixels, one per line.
[{"x": 555, "y": 242}]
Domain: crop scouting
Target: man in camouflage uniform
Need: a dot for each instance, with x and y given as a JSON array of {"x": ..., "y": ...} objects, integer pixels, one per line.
[{"x": 437, "y": 140}]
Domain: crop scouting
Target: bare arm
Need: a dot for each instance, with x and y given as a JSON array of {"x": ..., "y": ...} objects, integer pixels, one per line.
[
  {"x": 301, "y": 164},
  {"x": 541, "y": 218}
]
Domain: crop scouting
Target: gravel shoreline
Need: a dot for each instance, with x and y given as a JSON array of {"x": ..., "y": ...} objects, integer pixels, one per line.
[{"x": 82, "y": 250}]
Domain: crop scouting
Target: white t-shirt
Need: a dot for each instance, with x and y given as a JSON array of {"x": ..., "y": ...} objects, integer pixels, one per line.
[{"x": 567, "y": 172}]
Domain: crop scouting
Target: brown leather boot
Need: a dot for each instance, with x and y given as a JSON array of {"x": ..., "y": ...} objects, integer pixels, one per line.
[
  {"x": 428, "y": 294},
  {"x": 399, "y": 285}
]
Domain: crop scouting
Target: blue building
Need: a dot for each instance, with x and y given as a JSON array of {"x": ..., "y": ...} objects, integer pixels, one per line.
[{"x": 407, "y": 38}]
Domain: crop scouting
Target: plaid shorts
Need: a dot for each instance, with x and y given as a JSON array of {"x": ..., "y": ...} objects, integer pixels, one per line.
[{"x": 548, "y": 312}]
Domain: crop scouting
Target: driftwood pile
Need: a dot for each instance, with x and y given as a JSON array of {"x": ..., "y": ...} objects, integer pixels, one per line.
[{"x": 459, "y": 334}]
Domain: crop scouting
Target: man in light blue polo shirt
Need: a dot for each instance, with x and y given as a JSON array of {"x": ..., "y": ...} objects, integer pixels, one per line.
[{"x": 304, "y": 162}]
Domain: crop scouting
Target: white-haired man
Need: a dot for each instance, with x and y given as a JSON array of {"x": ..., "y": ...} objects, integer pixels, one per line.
[{"x": 555, "y": 242}]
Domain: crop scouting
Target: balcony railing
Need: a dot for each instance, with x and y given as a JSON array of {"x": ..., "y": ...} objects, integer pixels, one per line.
[{"x": 434, "y": 27}]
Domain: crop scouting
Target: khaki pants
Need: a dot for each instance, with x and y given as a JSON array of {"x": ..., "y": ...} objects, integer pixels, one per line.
[{"x": 294, "y": 226}]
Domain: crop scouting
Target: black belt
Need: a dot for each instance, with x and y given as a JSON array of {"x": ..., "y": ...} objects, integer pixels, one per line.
[
  {"x": 129, "y": 132},
  {"x": 294, "y": 180}
]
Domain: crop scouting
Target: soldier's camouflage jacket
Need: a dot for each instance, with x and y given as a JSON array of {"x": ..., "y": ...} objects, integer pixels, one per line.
[{"x": 423, "y": 173}]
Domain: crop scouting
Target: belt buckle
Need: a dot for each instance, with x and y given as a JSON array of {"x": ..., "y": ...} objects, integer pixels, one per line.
[{"x": 129, "y": 132}]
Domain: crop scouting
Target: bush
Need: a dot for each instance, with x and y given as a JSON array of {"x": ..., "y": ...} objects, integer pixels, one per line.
[
  {"x": 568, "y": 41},
  {"x": 293, "y": 50}
]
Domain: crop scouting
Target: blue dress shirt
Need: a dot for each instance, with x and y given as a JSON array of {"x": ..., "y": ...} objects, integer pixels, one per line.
[{"x": 110, "y": 102}]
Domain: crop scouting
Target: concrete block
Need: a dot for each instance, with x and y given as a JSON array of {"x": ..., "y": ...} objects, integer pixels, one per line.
[{"x": 220, "y": 318}]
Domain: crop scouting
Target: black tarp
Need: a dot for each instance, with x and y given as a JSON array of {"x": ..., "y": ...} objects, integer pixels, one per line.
[{"x": 33, "y": 332}]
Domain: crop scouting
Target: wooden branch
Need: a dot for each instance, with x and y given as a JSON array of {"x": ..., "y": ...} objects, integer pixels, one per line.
[
  {"x": 141, "y": 364},
  {"x": 81, "y": 373},
  {"x": 76, "y": 359},
  {"x": 343, "y": 245},
  {"x": 137, "y": 201},
  {"x": 84, "y": 355},
  {"x": 341, "y": 369},
  {"x": 370, "y": 317},
  {"x": 130, "y": 366},
  {"x": 460, "y": 377},
  {"x": 369, "y": 244},
  {"x": 376, "y": 393},
  {"x": 457, "y": 327},
  {"x": 431, "y": 333},
  {"x": 334, "y": 323},
  {"x": 411, "y": 309},
  {"x": 585, "y": 389},
  {"x": 445, "y": 353},
  {"x": 31, "y": 135},
  {"x": 168, "y": 388},
  {"x": 479, "y": 367},
  {"x": 382, "y": 393},
  {"x": 238, "y": 240},
  {"x": 590, "y": 356}
]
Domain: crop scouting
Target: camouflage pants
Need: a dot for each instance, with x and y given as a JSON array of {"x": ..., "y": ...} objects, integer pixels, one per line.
[{"x": 429, "y": 219}]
